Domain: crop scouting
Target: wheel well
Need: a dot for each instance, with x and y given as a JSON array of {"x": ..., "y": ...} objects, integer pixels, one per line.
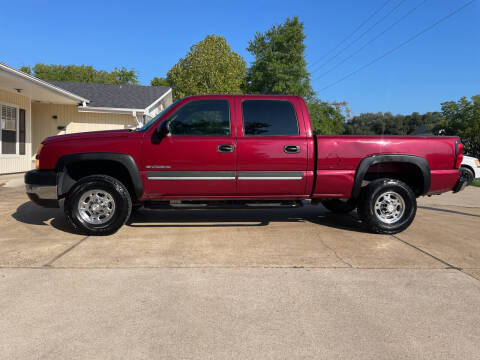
[
  {"x": 409, "y": 173},
  {"x": 80, "y": 169},
  {"x": 468, "y": 167}
]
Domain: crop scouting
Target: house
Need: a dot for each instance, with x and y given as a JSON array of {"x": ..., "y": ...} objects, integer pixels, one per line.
[{"x": 32, "y": 109}]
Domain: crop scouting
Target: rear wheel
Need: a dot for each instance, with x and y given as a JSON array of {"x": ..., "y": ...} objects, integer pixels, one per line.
[
  {"x": 387, "y": 206},
  {"x": 339, "y": 206},
  {"x": 98, "y": 205},
  {"x": 467, "y": 174}
]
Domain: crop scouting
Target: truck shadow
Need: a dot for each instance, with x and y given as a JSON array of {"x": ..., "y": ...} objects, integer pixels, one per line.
[
  {"x": 32, "y": 214},
  {"x": 241, "y": 218}
]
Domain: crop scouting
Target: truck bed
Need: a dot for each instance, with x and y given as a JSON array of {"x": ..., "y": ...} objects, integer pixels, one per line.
[{"x": 339, "y": 157}]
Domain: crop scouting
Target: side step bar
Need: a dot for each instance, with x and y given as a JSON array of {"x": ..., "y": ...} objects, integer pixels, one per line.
[{"x": 179, "y": 204}]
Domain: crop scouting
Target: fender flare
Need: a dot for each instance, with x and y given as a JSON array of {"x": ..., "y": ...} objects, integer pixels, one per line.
[
  {"x": 418, "y": 161},
  {"x": 65, "y": 182}
]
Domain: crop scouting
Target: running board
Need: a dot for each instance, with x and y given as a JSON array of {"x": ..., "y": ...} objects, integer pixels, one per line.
[{"x": 178, "y": 204}]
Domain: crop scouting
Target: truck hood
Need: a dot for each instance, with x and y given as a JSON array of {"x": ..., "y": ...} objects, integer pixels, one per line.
[{"x": 88, "y": 135}]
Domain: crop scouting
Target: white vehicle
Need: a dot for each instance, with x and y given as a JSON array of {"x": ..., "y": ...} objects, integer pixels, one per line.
[{"x": 470, "y": 168}]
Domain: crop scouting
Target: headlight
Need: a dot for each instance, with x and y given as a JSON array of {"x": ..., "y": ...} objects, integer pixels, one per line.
[{"x": 477, "y": 162}]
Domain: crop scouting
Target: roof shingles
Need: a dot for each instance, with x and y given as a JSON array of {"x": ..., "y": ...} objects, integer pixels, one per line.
[{"x": 114, "y": 96}]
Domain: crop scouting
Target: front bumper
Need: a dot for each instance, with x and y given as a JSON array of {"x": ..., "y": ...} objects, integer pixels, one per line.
[
  {"x": 461, "y": 184},
  {"x": 41, "y": 187}
]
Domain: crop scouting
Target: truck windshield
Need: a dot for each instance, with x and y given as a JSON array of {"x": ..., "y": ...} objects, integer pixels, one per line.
[{"x": 152, "y": 121}]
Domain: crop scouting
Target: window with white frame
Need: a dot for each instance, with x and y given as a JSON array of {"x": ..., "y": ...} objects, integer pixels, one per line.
[{"x": 12, "y": 136}]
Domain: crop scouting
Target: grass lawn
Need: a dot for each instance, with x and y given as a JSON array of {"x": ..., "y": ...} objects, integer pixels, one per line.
[{"x": 476, "y": 183}]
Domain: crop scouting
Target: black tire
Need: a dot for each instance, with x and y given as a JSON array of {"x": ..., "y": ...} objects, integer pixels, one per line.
[
  {"x": 111, "y": 186},
  {"x": 136, "y": 207},
  {"x": 395, "y": 193},
  {"x": 339, "y": 206},
  {"x": 467, "y": 174}
]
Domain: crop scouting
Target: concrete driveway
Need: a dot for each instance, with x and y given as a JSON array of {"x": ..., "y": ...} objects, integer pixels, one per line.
[{"x": 297, "y": 283}]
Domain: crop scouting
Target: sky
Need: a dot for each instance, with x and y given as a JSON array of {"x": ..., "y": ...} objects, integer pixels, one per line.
[{"x": 151, "y": 36}]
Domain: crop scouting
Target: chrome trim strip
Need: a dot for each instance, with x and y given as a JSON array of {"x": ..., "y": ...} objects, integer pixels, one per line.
[
  {"x": 222, "y": 175},
  {"x": 190, "y": 178},
  {"x": 271, "y": 178},
  {"x": 158, "y": 166},
  {"x": 190, "y": 175},
  {"x": 260, "y": 175}
]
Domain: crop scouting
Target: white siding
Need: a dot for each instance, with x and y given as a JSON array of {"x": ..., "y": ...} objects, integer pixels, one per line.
[
  {"x": 44, "y": 124},
  {"x": 17, "y": 163}
]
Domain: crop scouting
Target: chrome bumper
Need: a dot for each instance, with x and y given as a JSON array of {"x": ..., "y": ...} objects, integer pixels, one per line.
[{"x": 41, "y": 188}]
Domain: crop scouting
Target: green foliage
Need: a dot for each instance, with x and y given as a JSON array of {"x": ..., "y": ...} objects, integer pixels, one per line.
[
  {"x": 476, "y": 183},
  {"x": 327, "y": 119},
  {"x": 26, "y": 69},
  {"x": 389, "y": 124},
  {"x": 81, "y": 73},
  {"x": 279, "y": 66},
  {"x": 210, "y": 67},
  {"x": 159, "y": 81},
  {"x": 462, "y": 118}
]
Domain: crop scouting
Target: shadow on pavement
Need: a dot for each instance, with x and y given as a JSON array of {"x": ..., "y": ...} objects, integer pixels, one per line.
[
  {"x": 240, "y": 218},
  {"x": 448, "y": 211},
  {"x": 29, "y": 213}
]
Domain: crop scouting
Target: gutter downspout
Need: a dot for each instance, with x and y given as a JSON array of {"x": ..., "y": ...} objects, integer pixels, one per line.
[{"x": 139, "y": 122}]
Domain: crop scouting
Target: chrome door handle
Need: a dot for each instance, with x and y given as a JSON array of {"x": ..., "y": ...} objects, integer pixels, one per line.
[
  {"x": 291, "y": 149},
  {"x": 225, "y": 148}
]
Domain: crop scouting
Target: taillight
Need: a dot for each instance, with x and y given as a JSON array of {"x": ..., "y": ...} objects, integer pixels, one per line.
[{"x": 459, "y": 152}]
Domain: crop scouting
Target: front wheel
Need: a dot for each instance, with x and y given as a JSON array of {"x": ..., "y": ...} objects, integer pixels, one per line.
[
  {"x": 467, "y": 174},
  {"x": 98, "y": 205},
  {"x": 387, "y": 206}
]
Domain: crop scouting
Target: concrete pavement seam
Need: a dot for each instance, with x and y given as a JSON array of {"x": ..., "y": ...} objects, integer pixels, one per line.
[
  {"x": 338, "y": 257},
  {"x": 449, "y": 266},
  {"x": 50, "y": 263},
  {"x": 426, "y": 253}
]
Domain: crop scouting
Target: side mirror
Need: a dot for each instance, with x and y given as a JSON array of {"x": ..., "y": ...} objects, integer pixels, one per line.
[{"x": 163, "y": 129}]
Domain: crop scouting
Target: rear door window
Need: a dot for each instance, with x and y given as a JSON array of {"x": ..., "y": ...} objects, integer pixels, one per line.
[{"x": 269, "y": 118}]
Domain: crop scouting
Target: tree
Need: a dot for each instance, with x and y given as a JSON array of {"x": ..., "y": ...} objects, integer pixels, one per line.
[
  {"x": 279, "y": 66},
  {"x": 81, "y": 73},
  {"x": 210, "y": 67},
  {"x": 389, "y": 124},
  {"x": 26, "y": 69},
  {"x": 124, "y": 76},
  {"x": 327, "y": 119},
  {"x": 159, "y": 81},
  {"x": 462, "y": 118}
]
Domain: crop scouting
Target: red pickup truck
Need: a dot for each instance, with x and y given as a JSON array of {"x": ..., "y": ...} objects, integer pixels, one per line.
[{"x": 240, "y": 150}]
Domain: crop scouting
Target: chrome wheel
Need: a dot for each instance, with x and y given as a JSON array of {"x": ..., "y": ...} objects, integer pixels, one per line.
[
  {"x": 389, "y": 207},
  {"x": 96, "y": 206}
]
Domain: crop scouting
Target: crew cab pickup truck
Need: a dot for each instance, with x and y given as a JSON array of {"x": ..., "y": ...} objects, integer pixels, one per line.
[{"x": 240, "y": 150}]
